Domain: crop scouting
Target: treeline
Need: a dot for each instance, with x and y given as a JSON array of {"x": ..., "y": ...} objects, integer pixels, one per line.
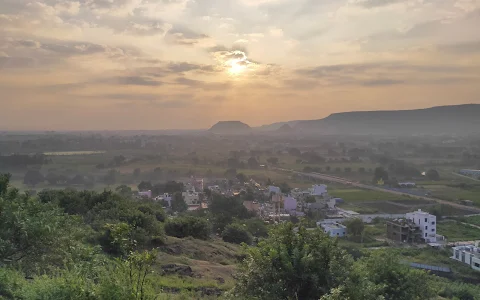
[{"x": 21, "y": 160}]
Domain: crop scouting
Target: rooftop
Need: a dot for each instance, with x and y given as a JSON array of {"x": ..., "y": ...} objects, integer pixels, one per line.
[{"x": 334, "y": 226}]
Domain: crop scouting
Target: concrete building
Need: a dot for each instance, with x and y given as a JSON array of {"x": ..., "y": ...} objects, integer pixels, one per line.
[
  {"x": 335, "y": 229},
  {"x": 319, "y": 190},
  {"x": 290, "y": 205},
  {"x": 165, "y": 197},
  {"x": 468, "y": 254},
  {"x": 191, "y": 198},
  {"x": 470, "y": 172},
  {"x": 145, "y": 194},
  {"x": 403, "y": 231},
  {"x": 274, "y": 189},
  {"x": 427, "y": 224},
  {"x": 251, "y": 205}
]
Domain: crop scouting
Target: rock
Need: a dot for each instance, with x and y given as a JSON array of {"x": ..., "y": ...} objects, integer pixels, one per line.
[{"x": 177, "y": 269}]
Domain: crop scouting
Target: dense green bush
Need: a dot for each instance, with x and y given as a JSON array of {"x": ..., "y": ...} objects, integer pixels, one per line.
[
  {"x": 181, "y": 227},
  {"x": 237, "y": 234}
]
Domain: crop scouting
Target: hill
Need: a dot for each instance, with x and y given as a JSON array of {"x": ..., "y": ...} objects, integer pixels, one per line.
[
  {"x": 455, "y": 119},
  {"x": 230, "y": 127},
  {"x": 285, "y": 129}
]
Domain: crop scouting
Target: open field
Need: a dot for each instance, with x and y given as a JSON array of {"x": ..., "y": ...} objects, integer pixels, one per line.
[
  {"x": 455, "y": 231},
  {"x": 475, "y": 220},
  {"x": 359, "y": 195}
]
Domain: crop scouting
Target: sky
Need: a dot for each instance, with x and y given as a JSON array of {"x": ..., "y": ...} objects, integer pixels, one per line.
[{"x": 186, "y": 64}]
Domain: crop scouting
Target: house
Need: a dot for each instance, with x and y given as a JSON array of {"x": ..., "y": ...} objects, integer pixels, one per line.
[
  {"x": 468, "y": 254},
  {"x": 319, "y": 190},
  {"x": 165, "y": 197},
  {"x": 470, "y": 172},
  {"x": 251, "y": 205},
  {"x": 290, "y": 205},
  {"x": 404, "y": 231},
  {"x": 274, "y": 189},
  {"x": 427, "y": 224},
  {"x": 145, "y": 194},
  {"x": 334, "y": 229},
  {"x": 191, "y": 197}
]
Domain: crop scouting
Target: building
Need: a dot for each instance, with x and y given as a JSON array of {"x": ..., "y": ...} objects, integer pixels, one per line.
[
  {"x": 319, "y": 190},
  {"x": 407, "y": 184},
  {"x": 145, "y": 194},
  {"x": 251, "y": 205},
  {"x": 427, "y": 224},
  {"x": 403, "y": 231},
  {"x": 191, "y": 197},
  {"x": 470, "y": 172},
  {"x": 290, "y": 205},
  {"x": 274, "y": 189},
  {"x": 335, "y": 229},
  {"x": 468, "y": 254},
  {"x": 165, "y": 197}
]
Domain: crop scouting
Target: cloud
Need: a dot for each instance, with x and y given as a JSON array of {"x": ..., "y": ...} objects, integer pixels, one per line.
[
  {"x": 135, "y": 80},
  {"x": 147, "y": 28},
  {"x": 381, "y": 82},
  {"x": 461, "y": 48},
  {"x": 7, "y": 62},
  {"x": 186, "y": 37},
  {"x": 375, "y": 3},
  {"x": 275, "y": 32}
]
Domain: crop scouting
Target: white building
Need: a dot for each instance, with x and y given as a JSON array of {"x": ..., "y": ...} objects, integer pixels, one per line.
[
  {"x": 319, "y": 190},
  {"x": 191, "y": 197},
  {"x": 274, "y": 189},
  {"x": 145, "y": 194},
  {"x": 427, "y": 223},
  {"x": 335, "y": 229},
  {"x": 165, "y": 197},
  {"x": 468, "y": 254}
]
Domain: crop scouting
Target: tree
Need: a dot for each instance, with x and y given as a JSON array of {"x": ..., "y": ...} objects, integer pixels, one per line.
[
  {"x": 355, "y": 226},
  {"x": 124, "y": 191},
  {"x": 178, "y": 203},
  {"x": 256, "y": 227},
  {"x": 294, "y": 152},
  {"x": 182, "y": 227},
  {"x": 272, "y": 160},
  {"x": 236, "y": 234},
  {"x": 136, "y": 173},
  {"x": 433, "y": 175},
  {"x": 361, "y": 170},
  {"x": 231, "y": 173},
  {"x": 111, "y": 177},
  {"x": 380, "y": 174},
  {"x": 242, "y": 178},
  {"x": 328, "y": 168},
  {"x": 33, "y": 177},
  {"x": 310, "y": 199},
  {"x": 172, "y": 187},
  {"x": 285, "y": 188},
  {"x": 289, "y": 265},
  {"x": 252, "y": 163},
  {"x": 145, "y": 186}
]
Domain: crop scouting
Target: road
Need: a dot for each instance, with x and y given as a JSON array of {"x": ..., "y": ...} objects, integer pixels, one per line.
[{"x": 376, "y": 188}]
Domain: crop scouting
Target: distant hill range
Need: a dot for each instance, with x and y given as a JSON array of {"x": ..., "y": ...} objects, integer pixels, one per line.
[
  {"x": 451, "y": 120},
  {"x": 457, "y": 119},
  {"x": 230, "y": 127}
]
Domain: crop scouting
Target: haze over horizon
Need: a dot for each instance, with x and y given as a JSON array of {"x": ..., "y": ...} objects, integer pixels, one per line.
[{"x": 186, "y": 64}]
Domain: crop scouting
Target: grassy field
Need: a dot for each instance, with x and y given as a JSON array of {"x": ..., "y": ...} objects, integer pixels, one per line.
[
  {"x": 210, "y": 265},
  {"x": 475, "y": 220},
  {"x": 455, "y": 231},
  {"x": 359, "y": 195}
]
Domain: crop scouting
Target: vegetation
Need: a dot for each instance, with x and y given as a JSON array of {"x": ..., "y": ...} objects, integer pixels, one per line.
[{"x": 237, "y": 234}]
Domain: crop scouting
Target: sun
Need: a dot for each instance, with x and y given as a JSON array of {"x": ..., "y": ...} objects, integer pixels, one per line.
[{"x": 236, "y": 67}]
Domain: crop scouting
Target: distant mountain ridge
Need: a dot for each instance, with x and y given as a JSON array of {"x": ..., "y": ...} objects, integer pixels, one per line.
[
  {"x": 453, "y": 119},
  {"x": 230, "y": 127}
]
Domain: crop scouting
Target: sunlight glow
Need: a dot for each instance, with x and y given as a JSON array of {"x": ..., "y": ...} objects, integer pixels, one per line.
[{"x": 236, "y": 67}]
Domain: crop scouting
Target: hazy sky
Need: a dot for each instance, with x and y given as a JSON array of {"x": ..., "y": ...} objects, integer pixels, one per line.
[{"x": 162, "y": 64}]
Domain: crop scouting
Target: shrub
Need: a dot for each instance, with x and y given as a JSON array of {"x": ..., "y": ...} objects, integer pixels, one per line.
[
  {"x": 237, "y": 234},
  {"x": 181, "y": 227}
]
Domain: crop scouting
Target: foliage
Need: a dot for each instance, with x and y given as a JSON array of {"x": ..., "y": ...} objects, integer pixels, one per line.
[
  {"x": 188, "y": 226},
  {"x": 256, "y": 227},
  {"x": 432, "y": 175},
  {"x": 381, "y": 276},
  {"x": 380, "y": 174},
  {"x": 237, "y": 234},
  {"x": 289, "y": 265},
  {"x": 33, "y": 177},
  {"x": 178, "y": 203},
  {"x": 285, "y": 188},
  {"x": 224, "y": 210},
  {"x": 145, "y": 186},
  {"x": 272, "y": 160},
  {"x": 355, "y": 226}
]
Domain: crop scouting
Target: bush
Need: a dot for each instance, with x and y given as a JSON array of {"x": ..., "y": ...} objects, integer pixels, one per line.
[
  {"x": 182, "y": 227},
  {"x": 237, "y": 234}
]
